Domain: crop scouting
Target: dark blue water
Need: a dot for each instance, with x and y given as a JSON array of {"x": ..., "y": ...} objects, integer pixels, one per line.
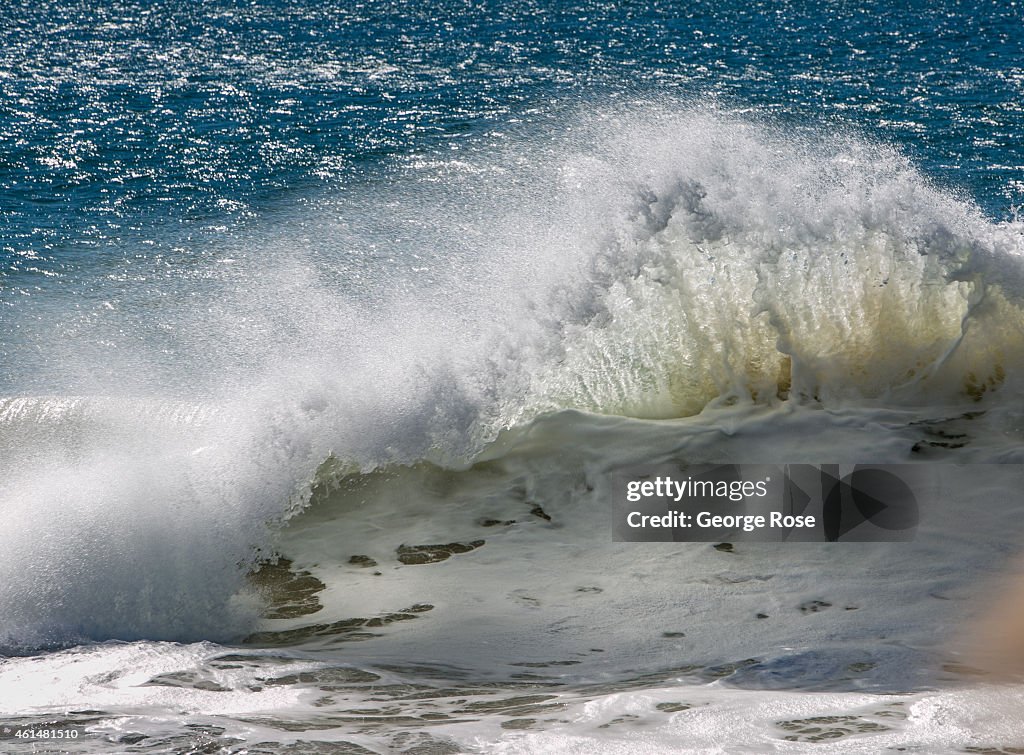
[
  {"x": 147, "y": 131},
  {"x": 118, "y": 116}
]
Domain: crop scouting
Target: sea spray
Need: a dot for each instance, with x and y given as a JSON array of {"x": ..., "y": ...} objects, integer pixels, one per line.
[{"x": 649, "y": 261}]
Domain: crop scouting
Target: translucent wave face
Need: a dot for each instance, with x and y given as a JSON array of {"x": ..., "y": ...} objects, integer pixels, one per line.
[{"x": 645, "y": 261}]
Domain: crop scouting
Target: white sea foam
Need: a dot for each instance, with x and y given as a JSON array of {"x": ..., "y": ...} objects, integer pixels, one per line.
[{"x": 646, "y": 262}]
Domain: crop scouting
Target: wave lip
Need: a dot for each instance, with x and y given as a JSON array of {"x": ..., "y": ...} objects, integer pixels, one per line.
[{"x": 727, "y": 261}]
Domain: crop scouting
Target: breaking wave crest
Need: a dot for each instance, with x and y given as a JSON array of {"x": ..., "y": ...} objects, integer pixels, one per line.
[{"x": 645, "y": 262}]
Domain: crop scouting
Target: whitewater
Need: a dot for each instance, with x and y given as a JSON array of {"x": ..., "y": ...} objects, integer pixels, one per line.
[{"x": 346, "y": 487}]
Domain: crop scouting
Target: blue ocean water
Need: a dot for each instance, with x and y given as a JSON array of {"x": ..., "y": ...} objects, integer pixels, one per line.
[
  {"x": 288, "y": 283},
  {"x": 133, "y": 122},
  {"x": 139, "y": 135}
]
